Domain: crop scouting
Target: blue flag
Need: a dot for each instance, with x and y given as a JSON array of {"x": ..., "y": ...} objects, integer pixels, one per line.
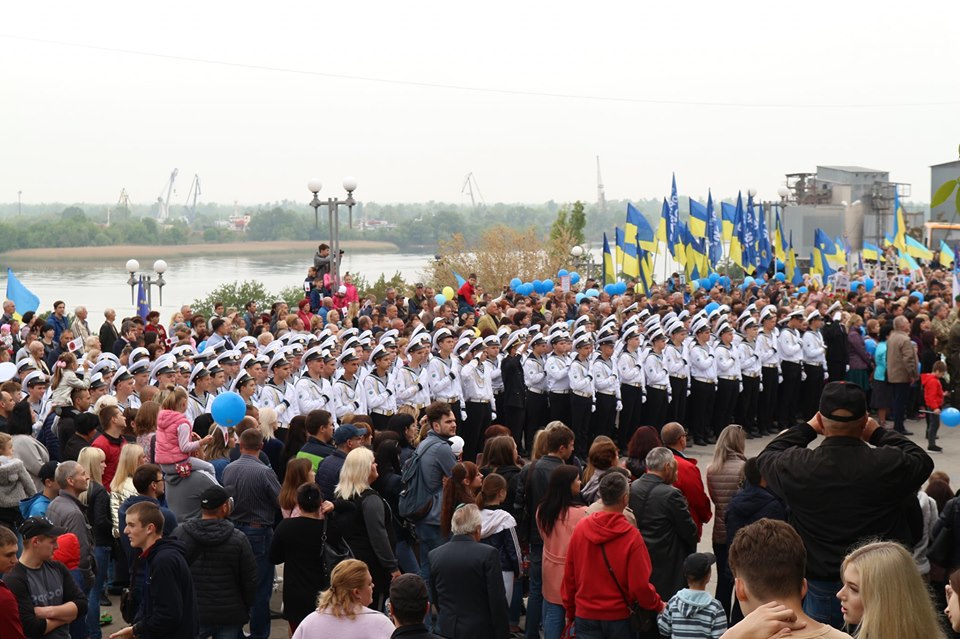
[
  {"x": 20, "y": 295},
  {"x": 142, "y": 307},
  {"x": 714, "y": 233}
]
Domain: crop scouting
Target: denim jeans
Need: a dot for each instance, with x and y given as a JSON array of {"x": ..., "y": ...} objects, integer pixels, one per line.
[
  {"x": 554, "y": 620},
  {"x": 78, "y": 627},
  {"x": 260, "y": 539},
  {"x": 597, "y": 629},
  {"x": 406, "y": 558},
  {"x": 102, "y": 556},
  {"x": 430, "y": 538},
  {"x": 821, "y": 602},
  {"x": 219, "y": 632},
  {"x": 535, "y": 599}
]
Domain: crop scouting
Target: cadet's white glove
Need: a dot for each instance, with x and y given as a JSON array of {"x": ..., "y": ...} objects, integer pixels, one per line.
[
  {"x": 741, "y": 387},
  {"x": 463, "y": 415},
  {"x": 803, "y": 376},
  {"x": 593, "y": 408},
  {"x": 826, "y": 375},
  {"x": 761, "y": 387},
  {"x": 493, "y": 415},
  {"x": 619, "y": 406}
]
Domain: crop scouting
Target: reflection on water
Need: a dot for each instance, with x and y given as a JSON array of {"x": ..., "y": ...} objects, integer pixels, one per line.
[{"x": 98, "y": 286}]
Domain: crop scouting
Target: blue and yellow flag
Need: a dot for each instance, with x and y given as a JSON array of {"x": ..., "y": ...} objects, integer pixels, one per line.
[
  {"x": 609, "y": 265},
  {"x": 646, "y": 270},
  {"x": 728, "y": 213},
  {"x": 698, "y": 219},
  {"x": 947, "y": 256},
  {"x": 645, "y": 236},
  {"x": 20, "y": 295},
  {"x": 619, "y": 241},
  {"x": 871, "y": 252},
  {"x": 899, "y": 224},
  {"x": 631, "y": 267},
  {"x": 792, "y": 271},
  {"x": 907, "y": 261},
  {"x": 779, "y": 241},
  {"x": 738, "y": 252},
  {"x": 143, "y": 308},
  {"x": 917, "y": 250}
]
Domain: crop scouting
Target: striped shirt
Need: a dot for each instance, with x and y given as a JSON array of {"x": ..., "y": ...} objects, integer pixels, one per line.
[{"x": 692, "y": 614}]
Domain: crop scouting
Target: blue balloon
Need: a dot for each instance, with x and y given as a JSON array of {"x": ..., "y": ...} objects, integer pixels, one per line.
[
  {"x": 907, "y": 279},
  {"x": 917, "y": 294},
  {"x": 610, "y": 289},
  {"x": 528, "y": 288},
  {"x": 580, "y": 297},
  {"x": 621, "y": 288},
  {"x": 868, "y": 283},
  {"x": 748, "y": 281},
  {"x": 515, "y": 283},
  {"x": 228, "y": 409},
  {"x": 725, "y": 281},
  {"x": 442, "y": 299},
  {"x": 706, "y": 283},
  {"x": 713, "y": 277},
  {"x": 548, "y": 286},
  {"x": 780, "y": 277},
  {"x": 802, "y": 289},
  {"x": 950, "y": 417},
  {"x": 536, "y": 285},
  {"x": 781, "y": 266},
  {"x": 574, "y": 277},
  {"x": 871, "y": 345},
  {"x": 711, "y": 307},
  {"x": 694, "y": 285},
  {"x": 562, "y": 272},
  {"x": 593, "y": 292}
]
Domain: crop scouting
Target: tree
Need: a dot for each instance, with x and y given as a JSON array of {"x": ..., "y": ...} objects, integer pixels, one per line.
[
  {"x": 236, "y": 295},
  {"x": 578, "y": 221}
]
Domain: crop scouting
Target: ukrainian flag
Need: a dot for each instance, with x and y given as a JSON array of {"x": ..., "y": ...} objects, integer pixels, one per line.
[
  {"x": 899, "y": 224},
  {"x": 609, "y": 266},
  {"x": 917, "y": 250},
  {"x": 907, "y": 261},
  {"x": 947, "y": 257},
  {"x": 698, "y": 219},
  {"x": 20, "y": 295},
  {"x": 646, "y": 270},
  {"x": 871, "y": 252},
  {"x": 737, "y": 249},
  {"x": 631, "y": 267},
  {"x": 728, "y": 213},
  {"x": 619, "y": 241},
  {"x": 779, "y": 241},
  {"x": 643, "y": 232}
]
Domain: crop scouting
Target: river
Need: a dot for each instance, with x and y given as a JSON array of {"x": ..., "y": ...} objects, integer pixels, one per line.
[{"x": 99, "y": 285}]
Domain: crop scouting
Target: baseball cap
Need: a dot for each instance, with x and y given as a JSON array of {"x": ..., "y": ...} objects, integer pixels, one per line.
[
  {"x": 843, "y": 396},
  {"x": 213, "y": 497},
  {"x": 34, "y": 526},
  {"x": 346, "y": 432},
  {"x": 47, "y": 471},
  {"x": 697, "y": 565}
]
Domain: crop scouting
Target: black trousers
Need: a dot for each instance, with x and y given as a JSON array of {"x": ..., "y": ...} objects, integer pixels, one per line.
[
  {"x": 788, "y": 402},
  {"x": 579, "y": 421},
  {"x": 379, "y": 421},
  {"x": 478, "y": 418},
  {"x": 700, "y": 409},
  {"x": 604, "y": 419},
  {"x": 725, "y": 405},
  {"x": 812, "y": 388},
  {"x": 514, "y": 418},
  {"x": 678, "y": 400},
  {"x": 560, "y": 407},
  {"x": 631, "y": 397},
  {"x": 655, "y": 408},
  {"x": 500, "y": 402},
  {"x": 767, "y": 409},
  {"x": 538, "y": 415},
  {"x": 748, "y": 402}
]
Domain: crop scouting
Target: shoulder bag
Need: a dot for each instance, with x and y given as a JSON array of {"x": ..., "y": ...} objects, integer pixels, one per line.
[{"x": 642, "y": 621}]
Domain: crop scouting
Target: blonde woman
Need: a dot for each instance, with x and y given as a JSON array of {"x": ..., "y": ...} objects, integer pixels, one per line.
[
  {"x": 121, "y": 486},
  {"x": 343, "y": 610},
  {"x": 272, "y": 447},
  {"x": 884, "y": 596},
  {"x": 218, "y": 447},
  {"x": 94, "y": 461},
  {"x": 368, "y": 529},
  {"x": 724, "y": 475}
]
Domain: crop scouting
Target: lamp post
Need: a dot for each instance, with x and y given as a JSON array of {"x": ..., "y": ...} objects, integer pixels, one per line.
[
  {"x": 333, "y": 217},
  {"x": 582, "y": 261},
  {"x": 160, "y": 267}
]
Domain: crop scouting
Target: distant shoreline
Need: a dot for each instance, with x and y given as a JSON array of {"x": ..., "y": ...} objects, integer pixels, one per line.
[{"x": 141, "y": 252}]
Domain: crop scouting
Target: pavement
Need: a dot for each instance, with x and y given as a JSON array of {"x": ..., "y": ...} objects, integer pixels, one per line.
[{"x": 947, "y": 461}]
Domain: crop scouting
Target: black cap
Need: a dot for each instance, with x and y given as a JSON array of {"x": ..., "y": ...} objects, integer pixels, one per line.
[
  {"x": 697, "y": 565},
  {"x": 48, "y": 470},
  {"x": 213, "y": 497},
  {"x": 843, "y": 396},
  {"x": 34, "y": 526}
]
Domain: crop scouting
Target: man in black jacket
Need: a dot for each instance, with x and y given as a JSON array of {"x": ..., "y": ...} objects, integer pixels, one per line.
[
  {"x": 468, "y": 607},
  {"x": 843, "y": 491},
  {"x": 409, "y": 604},
  {"x": 531, "y": 487},
  {"x": 222, "y": 564},
  {"x": 169, "y": 607}
]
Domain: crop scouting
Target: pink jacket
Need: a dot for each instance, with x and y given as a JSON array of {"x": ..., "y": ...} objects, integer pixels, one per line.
[
  {"x": 168, "y": 449},
  {"x": 555, "y": 552}
]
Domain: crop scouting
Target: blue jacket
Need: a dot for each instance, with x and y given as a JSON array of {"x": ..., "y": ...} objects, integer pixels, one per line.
[{"x": 328, "y": 473}]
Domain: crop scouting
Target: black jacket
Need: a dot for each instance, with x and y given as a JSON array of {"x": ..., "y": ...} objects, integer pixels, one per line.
[
  {"x": 752, "y": 504},
  {"x": 168, "y": 609},
  {"x": 18, "y": 582},
  {"x": 223, "y": 567},
  {"x": 512, "y": 475},
  {"x": 416, "y": 631},
  {"x": 99, "y": 514},
  {"x": 663, "y": 518},
  {"x": 514, "y": 389},
  {"x": 844, "y": 491},
  {"x": 529, "y": 493},
  {"x": 467, "y": 588}
]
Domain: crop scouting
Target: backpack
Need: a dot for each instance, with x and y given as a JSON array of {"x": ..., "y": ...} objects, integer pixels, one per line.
[{"x": 415, "y": 502}]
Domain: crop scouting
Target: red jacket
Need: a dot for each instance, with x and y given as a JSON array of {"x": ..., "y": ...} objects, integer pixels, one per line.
[
  {"x": 68, "y": 551},
  {"x": 111, "y": 448},
  {"x": 932, "y": 391},
  {"x": 588, "y": 589},
  {"x": 10, "y": 626},
  {"x": 467, "y": 293},
  {"x": 690, "y": 484}
]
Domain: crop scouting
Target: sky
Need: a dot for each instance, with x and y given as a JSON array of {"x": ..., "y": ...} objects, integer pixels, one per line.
[{"x": 409, "y": 97}]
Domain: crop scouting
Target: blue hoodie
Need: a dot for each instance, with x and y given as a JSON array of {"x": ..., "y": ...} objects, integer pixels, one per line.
[{"x": 35, "y": 506}]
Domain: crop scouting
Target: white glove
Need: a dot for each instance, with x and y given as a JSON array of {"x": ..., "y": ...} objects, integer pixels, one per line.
[
  {"x": 593, "y": 408},
  {"x": 493, "y": 414},
  {"x": 848, "y": 368},
  {"x": 463, "y": 415},
  {"x": 803, "y": 376},
  {"x": 689, "y": 390},
  {"x": 826, "y": 375},
  {"x": 643, "y": 399},
  {"x": 761, "y": 387},
  {"x": 619, "y": 406},
  {"x": 779, "y": 378},
  {"x": 741, "y": 387}
]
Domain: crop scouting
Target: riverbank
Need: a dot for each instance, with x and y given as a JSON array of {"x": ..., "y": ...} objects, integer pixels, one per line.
[{"x": 144, "y": 252}]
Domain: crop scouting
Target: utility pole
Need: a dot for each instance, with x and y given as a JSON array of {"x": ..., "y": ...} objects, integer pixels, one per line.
[{"x": 601, "y": 197}]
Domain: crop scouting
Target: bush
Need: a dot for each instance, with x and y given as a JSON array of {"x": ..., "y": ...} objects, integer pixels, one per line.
[{"x": 236, "y": 295}]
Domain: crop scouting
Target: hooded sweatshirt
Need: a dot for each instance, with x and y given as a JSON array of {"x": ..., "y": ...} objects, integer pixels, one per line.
[
  {"x": 498, "y": 528},
  {"x": 588, "y": 589},
  {"x": 693, "y": 614},
  {"x": 169, "y": 607}
]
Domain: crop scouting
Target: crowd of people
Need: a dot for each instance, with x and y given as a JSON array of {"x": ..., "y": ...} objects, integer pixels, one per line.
[{"x": 491, "y": 466}]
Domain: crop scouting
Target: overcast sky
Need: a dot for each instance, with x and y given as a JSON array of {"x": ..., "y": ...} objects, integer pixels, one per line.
[{"x": 728, "y": 95}]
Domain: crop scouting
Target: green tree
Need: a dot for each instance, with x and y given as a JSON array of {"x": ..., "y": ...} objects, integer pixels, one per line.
[
  {"x": 235, "y": 295},
  {"x": 578, "y": 221}
]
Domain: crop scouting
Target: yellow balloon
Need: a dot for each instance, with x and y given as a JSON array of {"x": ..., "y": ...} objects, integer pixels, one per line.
[{"x": 448, "y": 292}]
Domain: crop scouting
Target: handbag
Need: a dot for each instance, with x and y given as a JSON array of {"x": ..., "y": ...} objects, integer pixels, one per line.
[
  {"x": 642, "y": 621},
  {"x": 332, "y": 554},
  {"x": 128, "y": 609}
]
